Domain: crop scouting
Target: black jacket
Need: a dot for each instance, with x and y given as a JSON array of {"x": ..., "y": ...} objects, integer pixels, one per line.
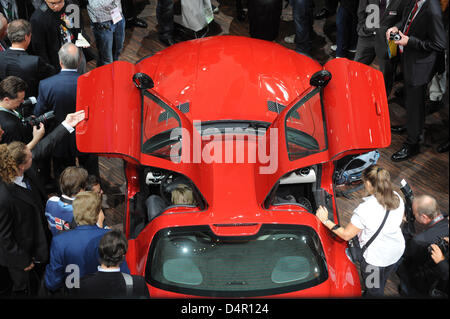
[
  {"x": 391, "y": 16},
  {"x": 24, "y": 233},
  {"x": 30, "y": 68},
  {"x": 427, "y": 38},
  {"x": 14, "y": 129},
  {"x": 417, "y": 264},
  {"x": 46, "y": 39},
  {"x": 110, "y": 285}
]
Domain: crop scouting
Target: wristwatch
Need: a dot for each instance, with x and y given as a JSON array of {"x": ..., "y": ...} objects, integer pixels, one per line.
[{"x": 336, "y": 227}]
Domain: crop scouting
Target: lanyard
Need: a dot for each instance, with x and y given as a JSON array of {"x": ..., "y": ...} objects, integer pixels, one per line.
[
  {"x": 15, "y": 113},
  {"x": 436, "y": 220}
]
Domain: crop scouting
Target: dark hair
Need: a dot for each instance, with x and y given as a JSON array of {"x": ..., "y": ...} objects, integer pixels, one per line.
[
  {"x": 11, "y": 86},
  {"x": 72, "y": 180},
  {"x": 112, "y": 248},
  {"x": 91, "y": 181},
  {"x": 17, "y": 30}
]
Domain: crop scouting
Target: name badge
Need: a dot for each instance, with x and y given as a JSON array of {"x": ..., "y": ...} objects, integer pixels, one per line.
[
  {"x": 392, "y": 13},
  {"x": 116, "y": 16}
]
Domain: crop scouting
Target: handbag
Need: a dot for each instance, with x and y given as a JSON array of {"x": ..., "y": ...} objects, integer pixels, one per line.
[{"x": 356, "y": 251}]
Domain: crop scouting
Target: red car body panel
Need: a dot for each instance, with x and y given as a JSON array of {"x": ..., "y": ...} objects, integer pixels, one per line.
[{"x": 233, "y": 78}]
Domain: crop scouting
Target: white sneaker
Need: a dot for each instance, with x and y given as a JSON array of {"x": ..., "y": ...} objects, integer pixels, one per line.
[
  {"x": 352, "y": 51},
  {"x": 333, "y": 47},
  {"x": 290, "y": 39}
]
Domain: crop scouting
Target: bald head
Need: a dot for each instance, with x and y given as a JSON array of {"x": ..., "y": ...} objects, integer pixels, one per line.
[
  {"x": 425, "y": 207},
  {"x": 69, "y": 56}
]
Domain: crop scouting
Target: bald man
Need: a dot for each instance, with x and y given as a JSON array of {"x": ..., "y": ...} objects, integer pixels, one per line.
[{"x": 417, "y": 272}]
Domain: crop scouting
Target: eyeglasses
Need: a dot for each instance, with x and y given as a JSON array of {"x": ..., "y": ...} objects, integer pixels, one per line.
[{"x": 55, "y": 3}]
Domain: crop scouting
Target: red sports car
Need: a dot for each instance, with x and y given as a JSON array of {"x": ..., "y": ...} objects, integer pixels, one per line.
[{"x": 254, "y": 129}]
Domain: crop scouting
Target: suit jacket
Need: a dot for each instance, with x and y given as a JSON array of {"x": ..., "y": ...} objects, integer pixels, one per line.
[
  {"x": 12, "y": 253},
  {"x": 30, "y": 68},
  {"x": 427, "y": 38},
  {"x": 29, "y": 224},
  {"x": 417, "y": 264},
  {"x": 390, "y": 17},
  {"x": 77, "y": 246},
  {"x": 58, "y": 93},
  {"x": 47, "y": 39},
  {"x": 14, "y": 129},
  {"x": 23, "y": 229},
  {"x": 110, "y": 285}
]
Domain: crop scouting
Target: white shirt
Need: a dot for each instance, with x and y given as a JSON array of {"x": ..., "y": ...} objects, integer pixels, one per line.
[
  {"x": 388, "y": 246},
  {"x": 18, "y": 180}
]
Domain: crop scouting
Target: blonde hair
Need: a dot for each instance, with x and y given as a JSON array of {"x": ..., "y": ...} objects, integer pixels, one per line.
[
  {"x": 183, "y": 195},
  {"x": 380, "y": 179},
  {"x": 86, "y": 208},
  {"x": 8, "y": 166}
]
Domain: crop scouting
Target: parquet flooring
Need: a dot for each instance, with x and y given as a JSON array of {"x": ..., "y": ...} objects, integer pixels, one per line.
[{"x": 427, "y": 173}]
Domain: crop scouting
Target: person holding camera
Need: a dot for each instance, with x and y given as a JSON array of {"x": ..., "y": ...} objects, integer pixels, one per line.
[
  {"x": 381, "y": 213},
  {"x": 439, "y": 254},
  {"x": 421, "y": 37},
  {"x": 417, "y": 271},
  {"x": 12, "y": 94}
]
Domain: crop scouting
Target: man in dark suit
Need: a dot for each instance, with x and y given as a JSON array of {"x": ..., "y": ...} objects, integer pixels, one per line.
[
  {"x": 58, "y": 93},
  {"x": 417, "y": 271},
  {"x": 109, "y": 281},
  {"x": 51, "y": 29},
  {"x": 422, "y": 38},
  {"x": 24, "y": 236},
  {"x": 16, "y": 61},
  {"x": 12, "y": 93},
  {"x": 372, "y": 34}
]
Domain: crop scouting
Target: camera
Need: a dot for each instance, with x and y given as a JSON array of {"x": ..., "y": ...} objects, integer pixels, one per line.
[
  {"x": 34, "y": 121},
  {"x": 27, "y": 106},
  {"x": 442, "y": 244},
  {"x": 395, "y": 36}
]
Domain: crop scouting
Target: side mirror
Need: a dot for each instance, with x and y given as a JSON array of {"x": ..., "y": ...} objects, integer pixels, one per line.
[
  {"x": 320, "y": 78},
  {"x": 143, "y": 81}
]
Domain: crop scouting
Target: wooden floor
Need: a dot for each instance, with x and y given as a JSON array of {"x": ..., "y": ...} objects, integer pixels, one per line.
[{"x": 427, "y": 173}]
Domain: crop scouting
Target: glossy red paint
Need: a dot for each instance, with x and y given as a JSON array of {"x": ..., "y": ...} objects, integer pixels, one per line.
[{"x": 233, "y": 78}]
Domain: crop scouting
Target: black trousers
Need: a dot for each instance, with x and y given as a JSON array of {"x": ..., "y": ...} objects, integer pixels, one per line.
[
  {"x": 374, "y": 278},
  {"x": 365, "y": 53},
  {"x": 415, "y": 111}
]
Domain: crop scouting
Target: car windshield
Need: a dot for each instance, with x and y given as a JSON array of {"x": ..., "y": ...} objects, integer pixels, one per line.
[
  {"x": 161, "y": 127},
  {"x": 279, "y": 259}
]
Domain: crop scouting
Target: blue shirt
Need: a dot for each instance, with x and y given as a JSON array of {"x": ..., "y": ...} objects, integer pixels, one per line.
[{"x": 59, "y": 214}]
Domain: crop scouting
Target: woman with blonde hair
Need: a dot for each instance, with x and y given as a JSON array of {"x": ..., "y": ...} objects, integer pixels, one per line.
[{"x": 382, "y": 204}]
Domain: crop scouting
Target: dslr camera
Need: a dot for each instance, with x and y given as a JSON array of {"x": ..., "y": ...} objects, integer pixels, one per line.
[
  {"x": 34, "y": 121},
  {"x": 395, "y": 36},
  {"x": 442, "y": 244}
]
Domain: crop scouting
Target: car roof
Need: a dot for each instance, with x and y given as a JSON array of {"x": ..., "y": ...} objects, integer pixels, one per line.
[{"x": 229, "y": 77}]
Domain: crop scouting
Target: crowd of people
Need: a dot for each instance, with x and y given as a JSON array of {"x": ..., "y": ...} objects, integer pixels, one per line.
[{"x": 43, "y": 51}]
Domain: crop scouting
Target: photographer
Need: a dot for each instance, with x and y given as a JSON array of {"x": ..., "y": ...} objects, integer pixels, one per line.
[
  {"x": 12, "y": 94},
  {"x": 440, "y": 258},
  {"x": 417, "y": 271}
]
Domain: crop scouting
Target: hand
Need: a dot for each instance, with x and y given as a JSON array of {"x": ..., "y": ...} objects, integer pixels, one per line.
[
  {"x": 31, "y": 266},
  {"x": 436, "y": 254},
  {"x": 403, "y": 41},
  {"x": 73, "y": 119},
  {"x": 39, "y": 132},
  {"x": 322, "y": 213},
  {"x": 393, "y": 30}
]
